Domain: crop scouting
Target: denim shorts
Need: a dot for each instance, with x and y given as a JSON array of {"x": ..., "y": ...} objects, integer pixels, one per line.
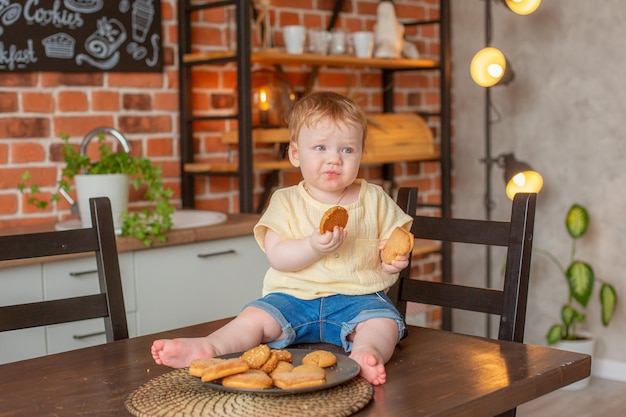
[{"x": 328, "y": 319}]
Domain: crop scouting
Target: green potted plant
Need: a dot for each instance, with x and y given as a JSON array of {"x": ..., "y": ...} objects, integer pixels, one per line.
[
  {"x": 581, "y": 281},
  {"x": 148, "y": 224}
]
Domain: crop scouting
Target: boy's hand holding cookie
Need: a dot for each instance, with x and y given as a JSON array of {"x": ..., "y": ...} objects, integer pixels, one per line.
[
  {"x": 395, "y": 250},
  {"x": 331, "y": 231},
  {"x": 334, "y": 216},
  {"x": 328, "y": 242}
]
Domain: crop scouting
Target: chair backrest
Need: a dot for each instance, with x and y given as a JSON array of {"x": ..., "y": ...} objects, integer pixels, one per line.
[
  {"x": 516, "y": 235},
  {"x": 108, "y": 303}
]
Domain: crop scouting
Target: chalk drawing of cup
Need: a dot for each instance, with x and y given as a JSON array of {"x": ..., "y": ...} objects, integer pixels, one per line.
[
  {"x": 143, "y": 13},
  {"x": 108, "y": 37}
]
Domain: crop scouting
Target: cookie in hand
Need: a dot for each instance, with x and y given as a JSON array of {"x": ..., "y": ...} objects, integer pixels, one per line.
[
  {"x": 334, "y": 216},
  {"x": 400, "y": 243}
]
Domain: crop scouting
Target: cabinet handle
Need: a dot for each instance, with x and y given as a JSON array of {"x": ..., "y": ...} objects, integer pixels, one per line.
[
  {"x": 81, "y": 273},
  {"x": 86, "y": 336},
  {"x": 208, "y": 255}
]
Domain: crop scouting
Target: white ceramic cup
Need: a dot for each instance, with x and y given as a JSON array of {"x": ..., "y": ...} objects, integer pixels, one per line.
[
  {"x": 319, "y": 41},
  {"x": 363, "y": 44},
  {"x": 294, "y": 36},
  {"x": 338, "y": 42}
]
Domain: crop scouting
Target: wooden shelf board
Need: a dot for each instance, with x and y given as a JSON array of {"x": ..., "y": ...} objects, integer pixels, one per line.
[
  {"x": 389, "y": 128},
  {"x": 424, "y": 247},
  {"x": 200, "y": 167},
  {"x": 208, "y": 168},
  {"x": 271, "y": 135},
  {"x": 406, "y": 157},
  {"x": 196, "y": 57},
  {"x": 274, "y": 57}
]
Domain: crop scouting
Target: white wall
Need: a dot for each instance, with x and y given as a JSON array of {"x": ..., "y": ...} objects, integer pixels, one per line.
[{"x": 564, "y": 114}]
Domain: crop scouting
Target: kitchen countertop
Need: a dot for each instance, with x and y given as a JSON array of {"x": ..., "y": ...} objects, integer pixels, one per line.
[{"x": 235, "y": 225}]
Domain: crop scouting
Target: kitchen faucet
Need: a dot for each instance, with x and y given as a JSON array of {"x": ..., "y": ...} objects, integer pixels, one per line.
[{"x": 111, "y": 131}]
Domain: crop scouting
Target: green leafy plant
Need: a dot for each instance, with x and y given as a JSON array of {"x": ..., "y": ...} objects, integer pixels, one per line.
[
  {"x": 581, "y": 281},
  {"x": 148, "y": 224}
]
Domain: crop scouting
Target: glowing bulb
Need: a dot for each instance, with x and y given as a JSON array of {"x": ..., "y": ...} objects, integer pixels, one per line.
[
  {"x": 495, "y": 70},
  {"x": 264, "y": 103},
  {"x": 524, "y": 182},
  {"x": 523, "y": 7},
  {"x": 520, "y": 179}
]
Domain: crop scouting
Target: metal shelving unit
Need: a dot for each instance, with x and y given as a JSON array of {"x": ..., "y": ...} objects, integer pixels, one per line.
[
  {"x": 244, "y": 59},
  {"x": 244, "y": 85}
]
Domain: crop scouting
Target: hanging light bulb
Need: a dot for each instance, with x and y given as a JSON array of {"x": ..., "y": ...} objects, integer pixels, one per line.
[
  {"x": 489, "y": 67},
  {"x": 519, "y": 177},
  {"x": 522, "y": 7}
]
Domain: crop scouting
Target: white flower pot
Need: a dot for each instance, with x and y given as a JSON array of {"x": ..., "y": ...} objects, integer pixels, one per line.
[
  {"x": 585, "y": 346},
  {"x": 113, "y": 186}
]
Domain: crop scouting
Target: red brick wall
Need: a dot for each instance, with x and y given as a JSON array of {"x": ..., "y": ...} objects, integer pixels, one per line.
[{"x": 36, "y": 107}]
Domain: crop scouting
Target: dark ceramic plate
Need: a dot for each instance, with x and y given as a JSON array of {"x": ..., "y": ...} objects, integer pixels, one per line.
[{"x": 343, "y": 371}]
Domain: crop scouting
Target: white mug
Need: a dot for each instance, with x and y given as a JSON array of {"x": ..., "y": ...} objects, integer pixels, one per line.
[
  {"x": 294, "y": 38},
  {"x": 319, "y": 41},
  {"x": 363, "y": 44},
  {"x": 338, "y": 42}
]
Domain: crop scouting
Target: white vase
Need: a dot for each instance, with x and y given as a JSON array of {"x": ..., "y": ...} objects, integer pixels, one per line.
[
  {"x": 585, "y": 346},
  {"x": 113, "y": 186}
]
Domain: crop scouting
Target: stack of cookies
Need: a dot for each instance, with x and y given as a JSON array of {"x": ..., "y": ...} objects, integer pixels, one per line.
[{"x": 262, "y": 368}]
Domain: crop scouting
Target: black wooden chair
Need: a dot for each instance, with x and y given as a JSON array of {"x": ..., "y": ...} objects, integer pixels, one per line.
[
  {"x": 516, "y": 235},
  {"x": 509, "y": 302},
  {"x": 99, "y": 239}
]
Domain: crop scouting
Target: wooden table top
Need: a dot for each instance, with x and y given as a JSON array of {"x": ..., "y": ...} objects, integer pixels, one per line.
[{"x": 432, "y": 373}]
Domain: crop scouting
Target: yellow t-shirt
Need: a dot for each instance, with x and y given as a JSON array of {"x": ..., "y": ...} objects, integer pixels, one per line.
[{"x": 355, "y": 268}]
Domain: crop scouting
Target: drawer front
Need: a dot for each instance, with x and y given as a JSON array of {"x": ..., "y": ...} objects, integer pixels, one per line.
[
  {"x": 75, "y": 277},
  {"x": 75, "y": 335},
  {"x": 21, "y": 284},
  {"x": 18, "y": 345},
  {"x": 188, "y": 284},
  {"x": 81, "y": 334}
]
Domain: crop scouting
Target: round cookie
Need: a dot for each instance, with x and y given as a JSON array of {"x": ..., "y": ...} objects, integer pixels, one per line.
[
  {"x": 283, "y": 355},
  {"x": 256, "y": 356},
  {"x": 282, "y": 367},
  {"x": 270, "y": 364},
  {"x": 400, "y": 243},
  {"x": 334, "y": 216},
  {"x": 321, "y": 358}
]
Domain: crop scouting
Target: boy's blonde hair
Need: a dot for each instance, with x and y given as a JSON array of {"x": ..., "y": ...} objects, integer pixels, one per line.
[{"x": 325, "y": 105}]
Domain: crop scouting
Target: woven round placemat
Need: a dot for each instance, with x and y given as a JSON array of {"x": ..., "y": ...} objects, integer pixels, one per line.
[{"x": 179, "y": 394}]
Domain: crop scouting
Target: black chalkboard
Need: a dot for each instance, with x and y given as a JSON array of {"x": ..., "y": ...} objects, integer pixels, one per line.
[{"x": 80, "y": 35}]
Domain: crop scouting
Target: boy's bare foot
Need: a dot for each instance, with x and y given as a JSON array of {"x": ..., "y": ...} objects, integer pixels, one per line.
[
  {"x": 178, "y": 353},
  {"x": 372, "y": 366}
]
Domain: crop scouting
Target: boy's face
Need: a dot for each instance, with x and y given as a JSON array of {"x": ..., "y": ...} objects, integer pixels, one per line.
[{"x": 328, "y": 155}]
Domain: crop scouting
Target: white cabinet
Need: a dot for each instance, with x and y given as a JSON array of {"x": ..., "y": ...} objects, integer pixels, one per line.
[
  {"x": 164, "y": 288},
  {"x": 53, "y": 280},
  {"x": 198, "y": 282},
  {"x": 21, "y": 284},
  {"x": 77, "y": 277}
]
